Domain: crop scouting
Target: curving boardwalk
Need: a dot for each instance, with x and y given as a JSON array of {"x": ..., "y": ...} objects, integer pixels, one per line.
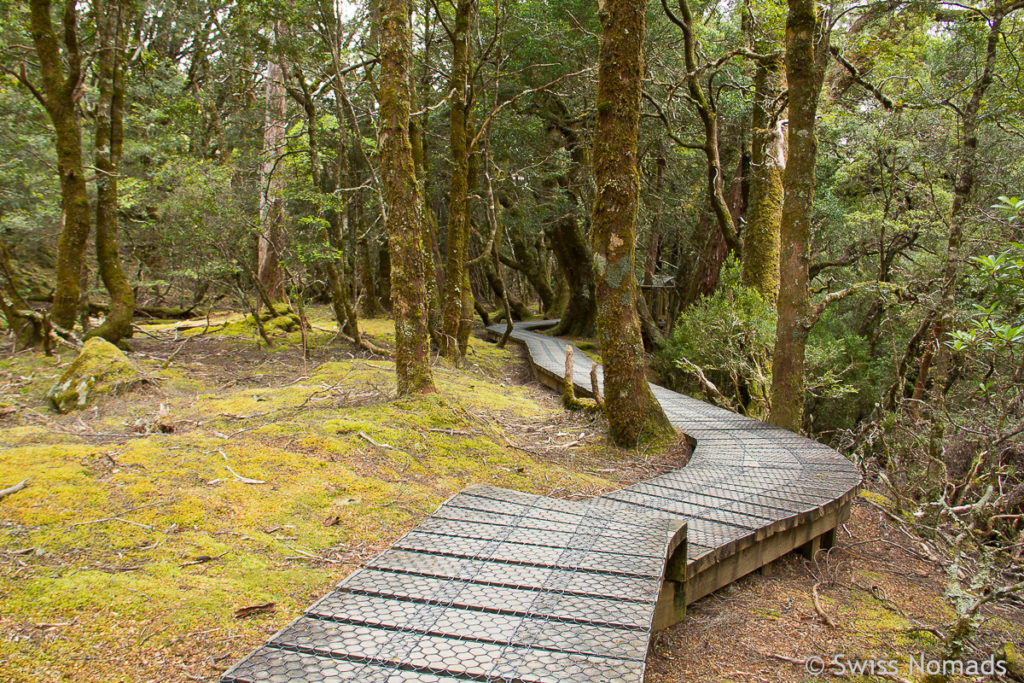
[{"x": 499, "y": 585}]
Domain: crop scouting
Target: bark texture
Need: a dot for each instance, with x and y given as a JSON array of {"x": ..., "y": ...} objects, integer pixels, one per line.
[
  {"x": 566, "y": 236},
  {"x": 455, "y": 282},
  {"x": 60, "y": 90},
  {"x": 761, "y": 240},
  {"x": 117, "y": 324},
  {"x": 405, "y": 207},
  {"x": 634, "y": 415},
  {"x": 805, "y": 52},
  {"x": 272, "y": 184},
  {"x": 30, "y": 328}
]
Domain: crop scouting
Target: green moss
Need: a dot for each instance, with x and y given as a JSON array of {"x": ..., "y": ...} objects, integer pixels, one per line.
[
  {"x": 883, "y": 628},
  {"x": 285, "y": 323},
  {"x": 878, "y": 499},
  {"x": 100, "y": 368},
  {"x": 114, "y": 523}
]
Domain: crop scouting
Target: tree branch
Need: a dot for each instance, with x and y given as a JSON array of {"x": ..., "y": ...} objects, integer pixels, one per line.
[
  {"x": 832, "y": 297},
  {"x": 668, "y": 127}
]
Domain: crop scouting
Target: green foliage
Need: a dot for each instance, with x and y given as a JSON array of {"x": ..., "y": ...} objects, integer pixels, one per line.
[
  {"x": 995, "y": 330},
  {"x": 729, "y": 335}
]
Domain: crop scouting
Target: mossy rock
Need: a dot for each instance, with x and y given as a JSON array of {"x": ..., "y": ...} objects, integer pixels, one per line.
[
  {"x": 285, "y": 323},
  {"x": 101, "y": 368}
]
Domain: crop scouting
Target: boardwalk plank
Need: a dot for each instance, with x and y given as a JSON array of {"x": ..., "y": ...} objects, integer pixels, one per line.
[{"x": 500, "y": 585}]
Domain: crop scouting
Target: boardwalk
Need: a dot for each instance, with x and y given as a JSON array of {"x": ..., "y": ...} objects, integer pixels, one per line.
[{"x": 499, "y": 585}]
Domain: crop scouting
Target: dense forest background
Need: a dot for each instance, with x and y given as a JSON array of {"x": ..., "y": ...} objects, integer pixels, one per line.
[{"x": 233, "y": 155}]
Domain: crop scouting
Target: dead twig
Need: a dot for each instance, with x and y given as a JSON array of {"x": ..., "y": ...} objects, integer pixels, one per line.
[
  {"x": 203, "y": 559},
  {"x": 244, "y": 480},
  {"x": 385, "y": 446},
  {"x": 13, "y": 489},
  {"x": 792, "y": 660},
  {"x": 818, "y": 608},
  {"x": 319, "y": 558},
  {"x": 265, "y": 608}
]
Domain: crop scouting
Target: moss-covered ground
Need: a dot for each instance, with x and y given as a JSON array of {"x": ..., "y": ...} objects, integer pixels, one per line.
[{"x": 238, "y": 475}]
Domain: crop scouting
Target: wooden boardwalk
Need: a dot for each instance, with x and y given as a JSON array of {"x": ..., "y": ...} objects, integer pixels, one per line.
[{"x": 499, "y": 585}]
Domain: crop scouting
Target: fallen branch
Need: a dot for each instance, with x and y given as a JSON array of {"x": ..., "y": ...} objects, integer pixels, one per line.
[
  {"x": 369, "y": 346},
  {"x": 711, "y": 391},
  {"x": 244, "y": 480},
  {"x": 818, "y": 608},
  {"x": 318, "y": 558},
  {"x": 13, "y": 489},
  {"x": 255, "y": 609},
  {"x": 203, "y": 559},
  {"x": 385, "y": 446},
  {"x": 784, "y": 658}
]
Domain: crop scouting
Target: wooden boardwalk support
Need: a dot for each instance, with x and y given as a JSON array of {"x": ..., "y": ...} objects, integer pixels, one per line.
[{"x": 499, "y": 585}]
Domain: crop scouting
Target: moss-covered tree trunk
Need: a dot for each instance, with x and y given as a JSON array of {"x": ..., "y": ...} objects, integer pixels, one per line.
[
  {"x": 271, "y": 203},
  {"x": 421, "y": 87},
  {"x": 405, "y": 208},
  {"x": 569, "y": 245},
  {"x": 455, "y": 281},
  {"x": 528, "y": 262},
  {"x": 634, "y": 415},
  {"x": 61, "y": 76},
  {"x": 117, "y": 324},
  {"x": 567, "y": 237},
  {"x": 30, "y": 328},
  {"x": 767, "y": 161},
  {"x": 805, "y": 51}
]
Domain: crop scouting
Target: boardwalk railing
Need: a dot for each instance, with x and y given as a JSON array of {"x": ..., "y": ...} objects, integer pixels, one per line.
[{"x": 499, "y": 585}]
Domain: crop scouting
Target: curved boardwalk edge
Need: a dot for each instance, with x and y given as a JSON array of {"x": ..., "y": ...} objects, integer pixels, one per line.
[{"x": 503, "y": 585}]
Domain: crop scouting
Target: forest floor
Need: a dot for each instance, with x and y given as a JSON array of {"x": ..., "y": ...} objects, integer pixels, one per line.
[{"x": 167, "y": 531}]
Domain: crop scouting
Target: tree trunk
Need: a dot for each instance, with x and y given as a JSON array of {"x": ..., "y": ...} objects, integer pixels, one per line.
[
  {"x": 60, "y": 95},
  {"x": 117, "y": 324},
  {"x": 567, "y": 238},
  {"x": 767, "y": 160},
  {"x": 455, "y": 279},
  {"x": 321, "y": 184},
  {"x": 405, "y": 208},
  {"x": 966, "y": 161},
  {"x": 574, "y": 256},
  {"x": 700, "y": 264},
  {"x": 420, "y": 89},
  {"x": 370, "y": 303},
  {"x": 708, "y": 114},
  {"x": 272, "y": 219},
  {"x": 529, "y": 264},
  {"x": 634, "y": 415},
  {"x": 651, "y": 259},
  {"x": 804, "y": 68},
  {"x": 384, "y": 272},
  {"x": 497, "y": 283},
  {"x": 30, "y": 328}
]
